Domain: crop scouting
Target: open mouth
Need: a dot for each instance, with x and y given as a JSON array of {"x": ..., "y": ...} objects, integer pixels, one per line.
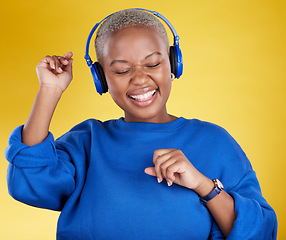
[{"x": 143, "y": 97}]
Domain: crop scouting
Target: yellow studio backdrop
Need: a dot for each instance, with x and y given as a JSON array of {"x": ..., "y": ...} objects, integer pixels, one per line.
[{"x": 234, "y": 75}]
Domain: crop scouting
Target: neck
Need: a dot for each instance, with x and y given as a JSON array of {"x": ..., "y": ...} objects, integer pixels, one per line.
[{"x": 156, "y": 119}]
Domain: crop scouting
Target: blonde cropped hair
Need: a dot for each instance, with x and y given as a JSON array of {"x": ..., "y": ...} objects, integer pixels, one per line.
[{"x": 123, "y": 19}]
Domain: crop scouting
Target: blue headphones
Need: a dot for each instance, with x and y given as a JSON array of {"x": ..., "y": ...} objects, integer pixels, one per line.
[{"x": 176, "y": 59}]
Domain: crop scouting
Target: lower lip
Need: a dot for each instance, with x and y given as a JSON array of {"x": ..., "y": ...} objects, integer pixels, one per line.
[{"x": 146, "y": 102}]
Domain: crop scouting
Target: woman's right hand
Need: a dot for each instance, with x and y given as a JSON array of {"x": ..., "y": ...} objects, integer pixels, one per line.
[{"x": 55, "y": 72}]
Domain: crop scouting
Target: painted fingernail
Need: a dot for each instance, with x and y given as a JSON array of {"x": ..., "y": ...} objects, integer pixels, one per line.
[
  {"x": 53, "y": 66},
  {"x": 159, "y": 181},
  {"x": 60, "y": 69},
  {"x": 169, "y": 183}
]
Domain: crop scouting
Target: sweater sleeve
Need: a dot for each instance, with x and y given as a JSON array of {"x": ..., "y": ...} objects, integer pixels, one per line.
[
  {"x": 255, "y": 219},
  {"x": 40, "y": 175}
]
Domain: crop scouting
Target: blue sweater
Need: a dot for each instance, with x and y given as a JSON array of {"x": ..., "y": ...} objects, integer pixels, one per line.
[{"x": 94, "y": 174}]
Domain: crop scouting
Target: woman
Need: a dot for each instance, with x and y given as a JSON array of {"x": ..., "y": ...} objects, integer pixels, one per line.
[{"x": 101, "y": 174}]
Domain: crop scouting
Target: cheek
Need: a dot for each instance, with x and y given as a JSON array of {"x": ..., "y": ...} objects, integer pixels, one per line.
[
  {"x": 166, "y": 70},
  {"x": 164, "y": 76},
  {"x": 114, "y": 83},
  {"x": 118, "y": 84},
  {"x": 113, "y": 89},
  {"x": 116, "y": 95},
  {"x": 116, "y": 88},
  {"x": 111, "y": 82},
  {"x": 168, "y": 87}
]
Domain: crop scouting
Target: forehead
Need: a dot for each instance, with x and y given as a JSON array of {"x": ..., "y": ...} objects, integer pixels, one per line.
[{"x": 134, "y": 42}]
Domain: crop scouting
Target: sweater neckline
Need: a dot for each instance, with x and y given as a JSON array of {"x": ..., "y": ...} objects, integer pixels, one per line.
[{"x": 144, "y": 126}]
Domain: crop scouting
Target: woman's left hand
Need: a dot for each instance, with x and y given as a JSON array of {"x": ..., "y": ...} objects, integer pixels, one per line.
[{"x": 173, "y": 165}]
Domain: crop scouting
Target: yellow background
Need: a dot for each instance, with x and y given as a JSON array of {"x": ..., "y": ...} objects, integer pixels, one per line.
[{"x": 234, "y": 75}]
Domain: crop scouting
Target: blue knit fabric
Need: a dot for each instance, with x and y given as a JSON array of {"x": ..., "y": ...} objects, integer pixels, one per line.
[{"x": 94, "y": 174}]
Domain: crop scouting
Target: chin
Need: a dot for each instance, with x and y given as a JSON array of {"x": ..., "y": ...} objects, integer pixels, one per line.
[{"x": 145, "y": 115}]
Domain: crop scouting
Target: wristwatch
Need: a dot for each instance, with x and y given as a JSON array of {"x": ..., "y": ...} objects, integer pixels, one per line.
[{"x": 216, "y": 190}]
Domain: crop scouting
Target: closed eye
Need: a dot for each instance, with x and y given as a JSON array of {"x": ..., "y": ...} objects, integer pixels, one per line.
[
  {"x": 122, "y": 72},
  {"x": 153, "y": 65}
]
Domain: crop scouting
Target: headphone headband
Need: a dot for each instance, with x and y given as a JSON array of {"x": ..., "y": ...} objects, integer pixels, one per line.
[{"x": 176, "y": 37}]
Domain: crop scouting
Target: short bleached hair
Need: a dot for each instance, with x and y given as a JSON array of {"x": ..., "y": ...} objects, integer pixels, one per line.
[{"x": 123, "y": 19}]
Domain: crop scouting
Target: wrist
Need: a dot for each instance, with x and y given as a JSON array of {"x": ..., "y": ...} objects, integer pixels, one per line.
[
  {"x": 205, "y": 187},
  {"x": 51, "y": 91}
]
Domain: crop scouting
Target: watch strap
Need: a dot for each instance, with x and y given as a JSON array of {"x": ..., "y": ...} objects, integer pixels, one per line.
[{"x": 216, "y": 190}]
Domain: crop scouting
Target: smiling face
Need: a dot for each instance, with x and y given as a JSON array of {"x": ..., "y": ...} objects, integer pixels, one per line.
[{"x": 136, "y": 64}]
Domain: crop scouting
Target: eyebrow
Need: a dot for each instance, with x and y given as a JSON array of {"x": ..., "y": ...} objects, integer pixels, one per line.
[
  {"x": 115, "y": 61},
  {"x": 124, "y": 61},
  {"x": 154, "y": 53}
]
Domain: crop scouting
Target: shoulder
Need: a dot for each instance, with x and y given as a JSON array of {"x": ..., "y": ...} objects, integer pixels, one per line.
[
  {"x": 208, "y": 129},
  {"x": 215, "y": 139},
  {"x": 216, "y": 135},
  {"x": 89, "y": 125},
  {"x": 83, "y": 131}
]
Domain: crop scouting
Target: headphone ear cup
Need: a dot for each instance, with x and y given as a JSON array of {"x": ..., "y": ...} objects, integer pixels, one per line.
[
  {"x": 173, "y": 60},
  {"x": 179, "y": 60},
  {"x": 101, "y": 77},
  {"x": 96, "y": 79}
]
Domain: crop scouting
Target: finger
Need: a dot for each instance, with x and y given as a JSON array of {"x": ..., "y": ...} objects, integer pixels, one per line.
[
  {"x": 172, "y": 170},
  {"x": 150, "y": 171},
  {"x": 63, "y": 60},
  {"x": 159, "y": 160},
  {"x": 157, "y": 155},
  {"x": 68, "y": 67},
  {"x": 67, "y": 61},
  {"x": 49, "y": 61},
  {"x": 160, "y": 152},
  {"x": 59, "y": 65},
  {"x": 68, "y": 55},
  {"x": 164, "y": 167}
]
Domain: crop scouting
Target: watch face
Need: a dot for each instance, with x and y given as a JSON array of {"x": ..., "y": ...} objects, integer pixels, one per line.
[{"x": 218, "y": 183}]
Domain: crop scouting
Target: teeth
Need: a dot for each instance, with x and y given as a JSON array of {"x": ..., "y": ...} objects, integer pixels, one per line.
[{"x": 143, "y": 96}]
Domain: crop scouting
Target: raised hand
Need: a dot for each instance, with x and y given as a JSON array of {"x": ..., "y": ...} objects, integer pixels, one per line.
[
  {"x": 55, "y": 75},
  {"x": 55, "y": 71}
]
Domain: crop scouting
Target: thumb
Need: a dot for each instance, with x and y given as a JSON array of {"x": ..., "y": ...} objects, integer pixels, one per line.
[
  {"x": 68, "y": 55},
  {"x": 68, "y": 67},
  {"x": 150, "y": 171}
]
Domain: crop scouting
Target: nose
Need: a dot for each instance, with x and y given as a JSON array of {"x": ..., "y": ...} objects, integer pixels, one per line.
[{"x": 139, "y": 77}]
